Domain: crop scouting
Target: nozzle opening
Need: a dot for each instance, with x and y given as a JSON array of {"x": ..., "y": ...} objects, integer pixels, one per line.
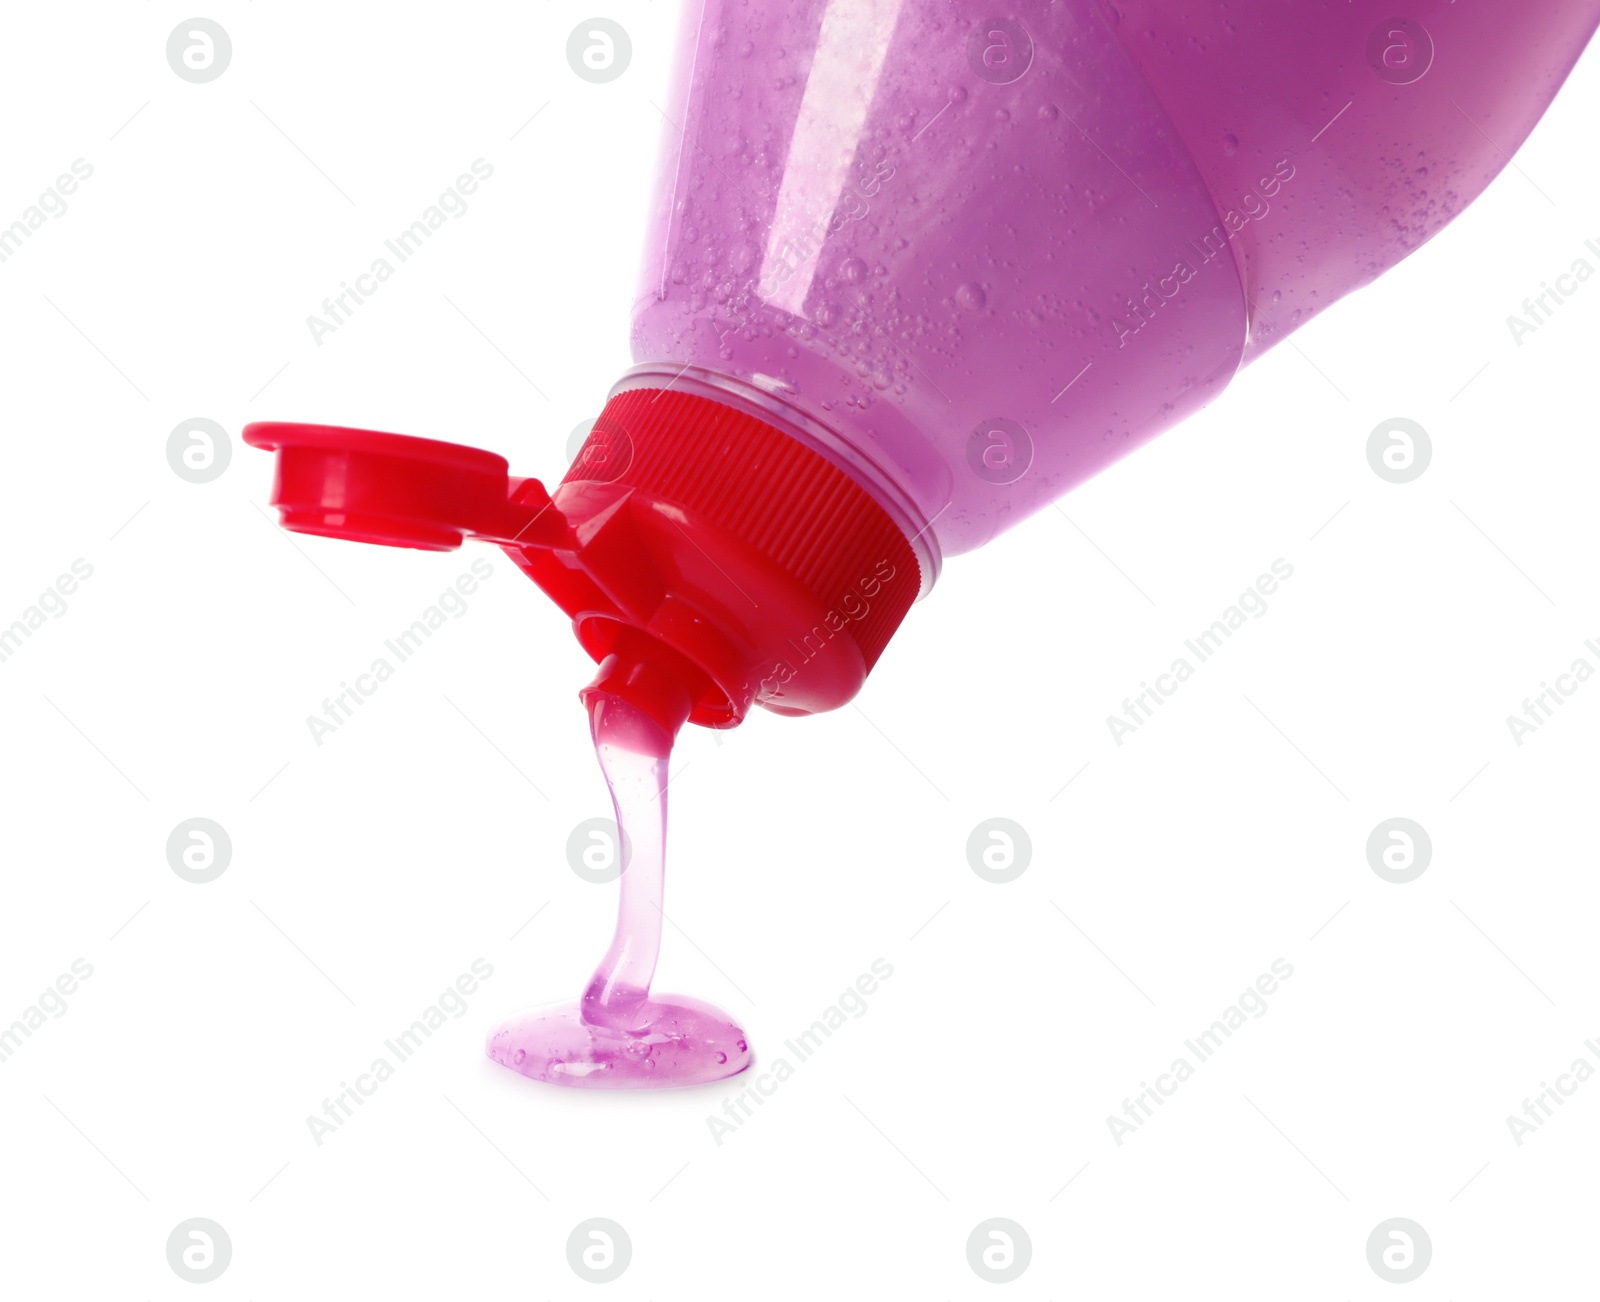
[{"x": 647, "y": 674}]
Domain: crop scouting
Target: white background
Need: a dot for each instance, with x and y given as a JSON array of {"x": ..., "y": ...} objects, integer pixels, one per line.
[{"x": 369, "y": 872}]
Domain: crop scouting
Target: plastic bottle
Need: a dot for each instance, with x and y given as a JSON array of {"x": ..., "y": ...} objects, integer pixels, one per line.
[{"x": 914, "y": 271}]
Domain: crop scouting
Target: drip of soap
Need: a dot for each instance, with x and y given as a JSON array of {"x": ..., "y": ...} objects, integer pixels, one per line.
[{"x": 617, "y": 1034}]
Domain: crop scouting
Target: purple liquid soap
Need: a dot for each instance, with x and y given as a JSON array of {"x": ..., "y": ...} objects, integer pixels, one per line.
[{"x": 617, "y": 1036}]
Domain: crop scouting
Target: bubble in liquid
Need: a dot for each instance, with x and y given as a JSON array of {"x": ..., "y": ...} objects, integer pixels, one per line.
[
  {"x": 519, "y": 1057},
  {"x": 827, "y": 313},
  {"x": 743, "y": 1047},
  {"x": 971, "y": 296},
  {"x": 853, "y": 270},
  {"x": 721, "y": 1057},
  {"x": 1230, "y": 145},
  {"x": 1048, "y": 112}
]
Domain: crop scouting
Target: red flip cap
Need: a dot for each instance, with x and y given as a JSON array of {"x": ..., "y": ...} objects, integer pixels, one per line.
[{"x": 708, "y": 560}]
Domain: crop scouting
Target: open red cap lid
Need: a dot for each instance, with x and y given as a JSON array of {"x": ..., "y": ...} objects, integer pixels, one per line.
[
  {"x": 373, "y": 487},
  {"x": 708, "y": 560}
]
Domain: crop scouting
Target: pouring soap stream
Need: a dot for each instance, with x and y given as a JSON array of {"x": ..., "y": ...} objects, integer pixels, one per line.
[{"x": 617, "y": 1034}]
